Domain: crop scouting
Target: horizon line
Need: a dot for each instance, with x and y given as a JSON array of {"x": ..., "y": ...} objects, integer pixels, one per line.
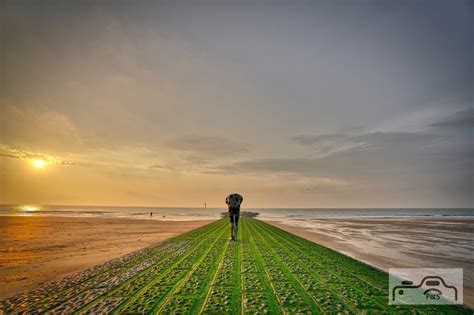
[{"x": 224, "y": 207}]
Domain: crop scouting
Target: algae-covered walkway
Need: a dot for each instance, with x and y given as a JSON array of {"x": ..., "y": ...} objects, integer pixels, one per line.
[{"x": 266, "y": 271}]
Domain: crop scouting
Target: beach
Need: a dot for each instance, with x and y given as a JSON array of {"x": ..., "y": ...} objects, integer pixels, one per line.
[
  {"x": 267, "y": 271},
  {"x": 396, "y": 242},
  {"x": 35, "y": 250}
]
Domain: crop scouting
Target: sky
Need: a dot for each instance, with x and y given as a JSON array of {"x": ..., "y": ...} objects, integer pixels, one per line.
[{"x": 289, "y": 103}]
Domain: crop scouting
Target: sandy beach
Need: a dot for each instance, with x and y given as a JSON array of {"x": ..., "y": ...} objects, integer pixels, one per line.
[
  {"x": 35, "y": 250},
  {"x": 389, "y": 243}
]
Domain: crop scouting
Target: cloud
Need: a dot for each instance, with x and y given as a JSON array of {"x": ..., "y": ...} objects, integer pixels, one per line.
[
  {"x": 328, "y": 144},
  {"x": 207, "y": 145},
  {"x": 366, "y": 156},
  {"x": 158, "y": 166},
  {"x": 461, "y": 119},
  {"x": 397, "y": 139},
  {"x": 187, "y": 164},
  {"x": 14, "y": 153},
  {"x": 37, "y": 125},
  {"x": 318, "y": 139}
]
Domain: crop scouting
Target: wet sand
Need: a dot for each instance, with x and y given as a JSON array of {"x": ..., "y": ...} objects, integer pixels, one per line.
[
  {"x": 39, "y": 249},
  {"x": 390, "y": 243}
]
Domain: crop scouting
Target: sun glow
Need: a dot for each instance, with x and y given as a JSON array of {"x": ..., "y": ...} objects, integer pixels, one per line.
[
  {"x": 29, "y": 208},
  {"x": 38, "y": 163}
]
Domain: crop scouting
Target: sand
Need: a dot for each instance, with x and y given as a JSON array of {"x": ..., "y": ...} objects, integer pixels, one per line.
[
  {"x": 396, "y": 243},
  {"x": 38, "y": 249}
]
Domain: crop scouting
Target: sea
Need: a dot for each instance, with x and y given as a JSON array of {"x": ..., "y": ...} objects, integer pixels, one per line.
[{"x": 186, "y": 214}]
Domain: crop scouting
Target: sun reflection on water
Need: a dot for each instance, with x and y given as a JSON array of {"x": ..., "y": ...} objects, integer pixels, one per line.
[{"x": 28, "y": 208}]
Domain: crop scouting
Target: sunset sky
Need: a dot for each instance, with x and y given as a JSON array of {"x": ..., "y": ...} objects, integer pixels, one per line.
[{"x": 175, "y": 103}]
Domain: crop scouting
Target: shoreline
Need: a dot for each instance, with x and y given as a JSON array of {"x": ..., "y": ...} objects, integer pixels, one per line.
[
  {"x": 371, "y": 251},
  {"x": 36, "y": 250}
]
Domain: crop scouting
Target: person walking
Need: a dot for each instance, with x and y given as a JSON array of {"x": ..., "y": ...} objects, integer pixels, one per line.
[{"x": 234, "y": 201}]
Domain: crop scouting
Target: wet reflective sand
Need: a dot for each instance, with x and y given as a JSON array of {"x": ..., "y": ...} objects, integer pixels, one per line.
[
  {"x": 35, "y": 250},
  {"x": 398, "y": 242}
]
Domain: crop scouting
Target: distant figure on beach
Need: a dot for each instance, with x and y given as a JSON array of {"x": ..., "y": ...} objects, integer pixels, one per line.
[
  {"x": 234, "y": 201},
  {"x": 151, "y": 214}
]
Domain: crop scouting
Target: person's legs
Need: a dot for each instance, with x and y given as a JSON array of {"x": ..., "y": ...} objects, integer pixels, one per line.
[
  {"x": 232, "y": 224},
  {"x": 236, "y": 220}
]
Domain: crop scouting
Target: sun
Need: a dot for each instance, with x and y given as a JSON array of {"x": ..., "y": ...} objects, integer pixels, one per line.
[{"x": 38, "y": 163}]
